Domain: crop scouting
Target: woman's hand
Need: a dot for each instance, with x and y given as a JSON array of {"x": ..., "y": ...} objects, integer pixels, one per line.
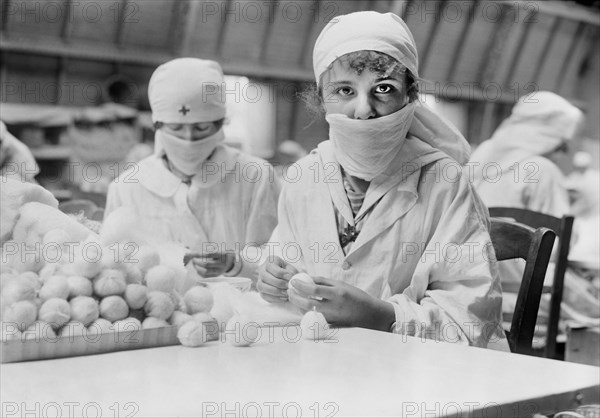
[
  {"x": 273, "y": 278},
  {"x": 213, "y": 264},
  {"x": 342, "y": 304}
]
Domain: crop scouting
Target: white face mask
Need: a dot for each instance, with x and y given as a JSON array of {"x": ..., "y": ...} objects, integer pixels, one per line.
[
  {"x": 188, "y": 156},
  {"x": 365, "y": 148}
]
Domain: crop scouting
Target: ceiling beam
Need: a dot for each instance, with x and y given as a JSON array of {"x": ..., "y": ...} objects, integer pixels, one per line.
[
  {"x": 308, "y": 32},
  {"x": 439, "y": 9},
  {"x": 515, "y": 59},
  {"x": 458, "y": 49},
  {"x": 546, "y": 49},
  {"x": 575, "y": 40},
  {"x": 67, "y": 23},
  {"x": 268, "y": 31},
  {"x": 120, "y": 33},
  {"x": 486, "y": 73},
  {"x": 189, "y": 24},
  {"x": 223, "y": 29}
]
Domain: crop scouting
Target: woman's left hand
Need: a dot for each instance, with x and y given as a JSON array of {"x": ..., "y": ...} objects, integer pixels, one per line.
[{"x": 342, "y": 304}]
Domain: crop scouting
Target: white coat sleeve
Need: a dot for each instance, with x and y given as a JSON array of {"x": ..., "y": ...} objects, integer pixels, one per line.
[
  {"x": 113, "y": 199},
  {"x": 454, "y": 294}
]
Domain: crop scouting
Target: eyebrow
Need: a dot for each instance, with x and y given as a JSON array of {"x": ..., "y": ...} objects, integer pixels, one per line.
[{"x": 385, "y": 78}]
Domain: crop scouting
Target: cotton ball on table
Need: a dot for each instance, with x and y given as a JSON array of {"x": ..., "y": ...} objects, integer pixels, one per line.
[
  {"x": 224, "y": 297},
  {"x": 161, "y": 278},
  {"x": 55, "y": 312},
  {"x": 314, "y": 326},
  {"x": 152, "y": 322},
  {"x": 127, "y": 325},
  {"x": 159, "y": 305},
  {"x": 147, "y": 257},
  {"x": 133, "y": 274},
  {"x": 73, "y": 329},
  {"x": 100, "y": 326},
  {"x": 40, "y": 331},
  {"x": 17, "y": 290},
  {"x": 109, "y": 282},
  {"x": 179, "y": 318},
  {"x": 84, "y": 309},
  {"x": 49, "y": 270},
  {"x": 241, "y": 331},
  {"x": 192, "y": 334},
  {"x": 79, "y": 286},
  {"x": 113, "y": 308},
  {"x": 87, "y": 259},
  {"x": 178, "y": 301},
  {"x": 31, "y": 277},
  {"x": 22, "y": 314},
  {"x": 55, "y": 287},
  {"x": 136, "y": 295},
  {"x": 198, "y": 299}
]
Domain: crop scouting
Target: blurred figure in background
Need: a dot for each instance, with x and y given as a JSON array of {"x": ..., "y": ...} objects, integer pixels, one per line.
[
  {"x": 519, "y": 167},
  {"x": 195, "y": 190},
  {"x": 16, "y": 160},
  {"x": 288, "y": 152}
]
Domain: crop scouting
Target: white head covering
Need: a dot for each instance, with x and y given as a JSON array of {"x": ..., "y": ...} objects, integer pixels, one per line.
[
  {"x": 187, "y": 90},
  {"x": 387, "y": 33},
  {"x": 538, "y": 124}
]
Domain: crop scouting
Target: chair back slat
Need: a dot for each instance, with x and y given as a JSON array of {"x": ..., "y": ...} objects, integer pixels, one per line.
[
  {"x": 515, "y": 240},
  {"x": 562, "y": 228}
]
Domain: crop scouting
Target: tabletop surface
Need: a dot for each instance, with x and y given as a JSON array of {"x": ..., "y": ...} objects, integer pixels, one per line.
[{"x": 356, "y": 373}]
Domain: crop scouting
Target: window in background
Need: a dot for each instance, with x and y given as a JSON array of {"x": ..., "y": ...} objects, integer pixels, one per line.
[{"x": 251, "y": 116}]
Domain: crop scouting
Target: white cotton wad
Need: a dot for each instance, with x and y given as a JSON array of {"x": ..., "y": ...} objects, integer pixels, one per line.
[{"x": 365, "y": 148}]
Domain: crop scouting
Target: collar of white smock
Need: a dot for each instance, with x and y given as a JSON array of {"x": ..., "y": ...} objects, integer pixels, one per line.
[{"x": 156, "y": 177}]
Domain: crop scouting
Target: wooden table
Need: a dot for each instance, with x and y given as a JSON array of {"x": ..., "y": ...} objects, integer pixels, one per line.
[{"x": 358, "y": 373}]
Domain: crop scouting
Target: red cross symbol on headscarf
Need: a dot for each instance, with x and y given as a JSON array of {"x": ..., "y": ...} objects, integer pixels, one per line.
[{"x": 184, "y": 110}]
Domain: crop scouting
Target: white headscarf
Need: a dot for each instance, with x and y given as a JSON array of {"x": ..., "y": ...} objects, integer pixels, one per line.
[
  {"x": 387, "y": 33},
  {"x": 187, "y": 90},
  {"x": 538, "y": 124}
]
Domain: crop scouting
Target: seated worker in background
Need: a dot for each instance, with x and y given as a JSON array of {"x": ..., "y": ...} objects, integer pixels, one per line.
[
  {"x": 519, "y": 167},
  {"x": 384, "y": 238},
  {"x": 195, "y": 190},
  {"x": 16, "y": 161}
]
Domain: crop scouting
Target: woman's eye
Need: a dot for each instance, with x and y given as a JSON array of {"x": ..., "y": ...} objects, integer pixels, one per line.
[
  {"x": 384, "y": 88},
  {"x": 344, "y": 91}
]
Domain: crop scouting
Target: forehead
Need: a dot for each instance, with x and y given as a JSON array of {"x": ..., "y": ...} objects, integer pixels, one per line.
[{"x": 342, "y": 70}]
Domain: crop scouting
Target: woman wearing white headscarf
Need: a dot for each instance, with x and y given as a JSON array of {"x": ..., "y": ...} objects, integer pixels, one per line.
[
  {"x": 195, "y": 190},
  {"x": 517, "y": 167},
  {"x": 390, "y": 240}
]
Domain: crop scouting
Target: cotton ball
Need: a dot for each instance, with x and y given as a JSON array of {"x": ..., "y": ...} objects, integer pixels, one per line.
[
  {"x": 17, "y": 290},
  {"x": 192, "y": 334},
  {"x": 159, "y": 305},
  {"x": 241, "y": 332},
  {"x": 202, "y": 317},
  {"x": 49, "y": 270},
  {"x": 113, "y": 308},
  {"x": 31, "y": 277},
  {"x": 222, "y": 309},
  {"x": 109, "y": 282},
  {"x": 136, "y": 295},
  {"x": 56, "y": 236},
  {"x": 10, "y": 331},
  {"x": 22, "y": 314},
  {"x": 87, "y": 259},
  {"x": 73, "y": 329},
  {"x": 6, "y": 277},
  {"x": 178, "y": 301},
  {"x": 79, "y": 286},
  {"x": 127, "y": 325},
  {"x": 198, "y": 299},
  {"x": 84, "y": 309},
  {"x": 161, "y": 278},
  {"x": 55, "y": 287},
  {"x": 5, "y": 269},
  {"x": 55, "y": 311},
  {"x": 152, "y": 322},
  {"x": 147, "y": 257},
  {"x": 40, "y": 331},
  {"x": 100, "y": 326},
  {"x": 179, "y": 318},
  {"x": 133, "y": 274},
  {"x": 314, "y": 326}
]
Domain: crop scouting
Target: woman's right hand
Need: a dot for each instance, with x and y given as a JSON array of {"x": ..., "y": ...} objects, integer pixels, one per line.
[{"x": 273, "y": 278}]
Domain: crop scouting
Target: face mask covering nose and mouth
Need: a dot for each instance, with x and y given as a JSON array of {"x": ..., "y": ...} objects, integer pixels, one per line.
[
  {"x": 188, "y": 156},
  {"x": 365, "y": 148}
]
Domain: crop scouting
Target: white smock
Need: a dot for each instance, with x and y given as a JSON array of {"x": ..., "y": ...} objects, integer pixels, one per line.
[{"x": 425, "y": 246}]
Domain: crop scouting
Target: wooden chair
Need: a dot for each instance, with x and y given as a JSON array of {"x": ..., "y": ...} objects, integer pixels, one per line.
[
  {"x": 514, "y": 240},
  {"x": 562, "y": 227}
]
